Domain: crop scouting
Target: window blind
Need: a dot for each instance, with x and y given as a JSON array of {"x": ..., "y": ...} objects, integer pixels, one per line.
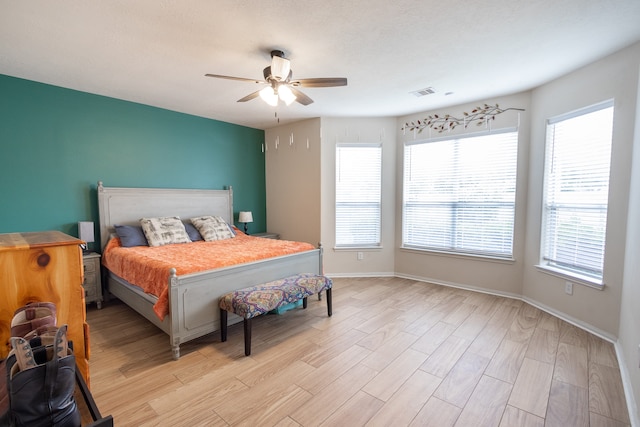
[
  {"x": 576, "y": 190},
  {"x": 358, "y": 194},
  {"x": 459, "y": 194}
]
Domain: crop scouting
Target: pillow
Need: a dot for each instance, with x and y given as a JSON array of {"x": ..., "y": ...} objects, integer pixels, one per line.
[
  {"x": 212, "y": 228},
  {"x": 131, "y": 235},
  {"x": 192, "y": 232},
  {"x": 164, "y": 230}
]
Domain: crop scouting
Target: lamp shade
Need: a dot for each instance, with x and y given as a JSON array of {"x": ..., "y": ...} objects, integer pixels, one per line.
[
  {"x": 85, "y": 231},
  {"x": 245, "y": 217}
]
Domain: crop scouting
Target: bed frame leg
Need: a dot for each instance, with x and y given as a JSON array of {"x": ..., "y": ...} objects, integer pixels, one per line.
[
  {"x": 304, "y": 302},
  {"x": 223, "y": 325},
  {"x": 247, "y": 337},
  {"x": 176, "y": 352},
  {"x": 329, "y": 308}
]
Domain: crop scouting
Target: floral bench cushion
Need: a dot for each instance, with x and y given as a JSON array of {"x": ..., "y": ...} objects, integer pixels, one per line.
[{"x": 256, "y": 300}]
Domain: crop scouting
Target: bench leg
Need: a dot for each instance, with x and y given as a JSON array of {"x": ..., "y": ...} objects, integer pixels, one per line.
[
  {"x": 329, "y": 308},
  {"x": 304, "y": 302},
  {"x": 247, "y": 337},
  {"x": 223, "y": 325}
]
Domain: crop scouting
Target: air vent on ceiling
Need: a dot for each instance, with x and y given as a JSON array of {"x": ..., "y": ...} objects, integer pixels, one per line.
[{"x": 423, "y": 92}]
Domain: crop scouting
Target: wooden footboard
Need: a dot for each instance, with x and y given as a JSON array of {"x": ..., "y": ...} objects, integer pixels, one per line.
[{"x": 193, "y": 298}]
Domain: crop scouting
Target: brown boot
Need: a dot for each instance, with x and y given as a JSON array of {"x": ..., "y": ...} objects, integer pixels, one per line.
[{"x": 32, "y": 316}]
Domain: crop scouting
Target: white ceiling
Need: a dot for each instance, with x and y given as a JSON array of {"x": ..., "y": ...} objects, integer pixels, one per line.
[{"x": 156, "y": 52}]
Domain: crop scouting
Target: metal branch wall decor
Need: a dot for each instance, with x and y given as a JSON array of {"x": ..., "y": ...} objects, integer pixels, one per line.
[{"x": 480, "y": 115}]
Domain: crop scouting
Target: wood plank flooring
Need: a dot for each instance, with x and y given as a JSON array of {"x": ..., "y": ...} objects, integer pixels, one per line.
[{"x": 396, "y": 352}]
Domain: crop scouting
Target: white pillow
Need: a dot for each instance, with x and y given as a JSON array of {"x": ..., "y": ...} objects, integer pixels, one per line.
[
  {"x": 212, "y": 228},
  {"x": 164, "y": 230}
]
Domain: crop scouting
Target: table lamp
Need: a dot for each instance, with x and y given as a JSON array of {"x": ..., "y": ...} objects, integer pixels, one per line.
[{"x": 245, "y": 217}]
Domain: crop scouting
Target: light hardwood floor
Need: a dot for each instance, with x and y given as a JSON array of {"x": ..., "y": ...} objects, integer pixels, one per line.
[{"x": 396, "y": 352}]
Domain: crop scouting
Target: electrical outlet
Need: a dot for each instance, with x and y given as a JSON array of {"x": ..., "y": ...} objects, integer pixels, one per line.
[
  {"x": 360, "y": 256},
  {"x": 568, "y": 288}
]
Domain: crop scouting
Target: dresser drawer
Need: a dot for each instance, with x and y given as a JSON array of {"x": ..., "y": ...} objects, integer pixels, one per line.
[
  {"x": 89, "y": 266},
  {"x": 92, "y": 281},
  {"x": 90, "y": 293},
  {"x": 89, "y": 280}
]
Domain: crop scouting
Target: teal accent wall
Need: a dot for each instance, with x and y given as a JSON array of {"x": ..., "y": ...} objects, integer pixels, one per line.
[{"x": 56, "y": 144}]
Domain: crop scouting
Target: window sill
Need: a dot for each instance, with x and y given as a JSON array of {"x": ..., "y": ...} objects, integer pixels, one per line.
[
  {"x": 460, "y": 255},
  {"x": 356, "y": 248},
  {"x": 574, "y": 278}
]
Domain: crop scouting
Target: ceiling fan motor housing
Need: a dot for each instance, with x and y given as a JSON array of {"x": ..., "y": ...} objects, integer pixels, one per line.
[{"x": 269, "y": 77}]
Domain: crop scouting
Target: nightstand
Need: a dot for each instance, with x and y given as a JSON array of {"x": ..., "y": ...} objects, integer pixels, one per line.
[
  {"x": 267, "y": 235},
  {"x": 92, "y": 280}
]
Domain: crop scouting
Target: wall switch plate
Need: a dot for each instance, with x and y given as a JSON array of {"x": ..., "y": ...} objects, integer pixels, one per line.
[
  {"x": 360, "y": 256},
  {"x": 568, "y": 288}
]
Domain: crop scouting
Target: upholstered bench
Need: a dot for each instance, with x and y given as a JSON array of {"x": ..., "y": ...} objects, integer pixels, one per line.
[{"x": 256, "y": 300}]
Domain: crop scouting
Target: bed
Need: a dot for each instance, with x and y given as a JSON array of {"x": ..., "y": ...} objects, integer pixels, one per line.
[{"x": 192, "y": 298}]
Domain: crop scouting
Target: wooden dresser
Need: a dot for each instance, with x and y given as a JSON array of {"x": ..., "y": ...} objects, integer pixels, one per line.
[{"x": 44, "y": 266}]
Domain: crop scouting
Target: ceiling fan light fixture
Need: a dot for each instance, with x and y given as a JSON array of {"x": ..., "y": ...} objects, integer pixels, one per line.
[
  {"x": 280, "y": 68},
  {"x": 285, "y": 93},
  {"x": 269, "y": 96}
]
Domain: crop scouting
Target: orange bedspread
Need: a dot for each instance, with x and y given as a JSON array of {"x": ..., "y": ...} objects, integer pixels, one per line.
[{"x": 148, "y": 267}]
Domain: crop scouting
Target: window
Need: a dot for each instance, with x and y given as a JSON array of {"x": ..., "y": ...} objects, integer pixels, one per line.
[
  {"x": 358, "y": 194},
  {"x": 576, "y": 190},
  {"x": 459, "y": 194}
]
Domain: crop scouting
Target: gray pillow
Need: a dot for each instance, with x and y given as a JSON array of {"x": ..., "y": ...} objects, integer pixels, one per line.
[
  {"x": 193, "y": 233},
  {"x": 131, "y": 235}
]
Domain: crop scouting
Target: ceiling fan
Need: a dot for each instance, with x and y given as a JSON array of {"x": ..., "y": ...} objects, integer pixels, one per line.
[{"x": 280, "y": 85}]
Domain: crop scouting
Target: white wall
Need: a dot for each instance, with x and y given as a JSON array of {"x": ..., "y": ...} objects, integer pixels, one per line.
[
  {"x": 293, "y": 181},
  {"x": 300, "y": 184},
  {"x": 615, "y": 77},
  {"x": 629, "y": 334},
  {"x": 503, "y": 277},
  {"x": 375, "y": 262}
]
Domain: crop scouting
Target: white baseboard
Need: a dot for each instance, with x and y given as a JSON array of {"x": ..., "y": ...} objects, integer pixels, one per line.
[
  {"x": 355, "y": 275},
  {"x": 628, "y": 389},
  {"x": 580, "y": 324}
]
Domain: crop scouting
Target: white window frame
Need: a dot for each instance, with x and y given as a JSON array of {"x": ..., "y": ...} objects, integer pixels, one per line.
[
  {"x": 588, "y": 212},
  {"x": 360, "y": 224},
  {"x": 448, "y": 239}
]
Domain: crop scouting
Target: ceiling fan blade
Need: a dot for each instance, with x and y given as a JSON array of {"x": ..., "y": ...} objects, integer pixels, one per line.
[
  {"x": 249, "y": 97},
  {"x": 242, "y": 79},
  {"x": 301, "y": 97},
  {"x": 320, "y": 82}
]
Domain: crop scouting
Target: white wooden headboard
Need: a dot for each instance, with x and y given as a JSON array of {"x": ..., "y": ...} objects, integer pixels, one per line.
[{"x": 125, "y": 206}]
